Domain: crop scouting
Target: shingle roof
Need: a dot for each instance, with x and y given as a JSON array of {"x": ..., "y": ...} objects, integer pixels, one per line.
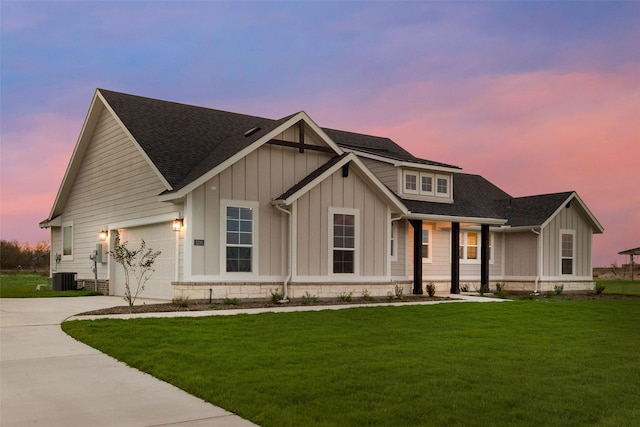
[
  {"x": 532, "y": 210},
  {"x": 185, "y": 141},
  {"x": 474, "y": 197},
  {"x": 313, "y": 175}
]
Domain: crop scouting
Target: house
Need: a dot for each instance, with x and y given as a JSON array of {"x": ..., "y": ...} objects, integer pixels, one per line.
[{"x": 243, "y": 206}]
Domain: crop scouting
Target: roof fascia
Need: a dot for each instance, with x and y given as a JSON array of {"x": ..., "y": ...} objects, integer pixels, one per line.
[
  {"x": 400, "y": 163},
  {"x": 574, "y": 196},
  {"x": 243, "y": 153},
  {"x": 90, "y": 120},
  {"x": 138, "y": 147},
  {"x": 449, "y": 218},
  {"x": 351, "y": 157}
]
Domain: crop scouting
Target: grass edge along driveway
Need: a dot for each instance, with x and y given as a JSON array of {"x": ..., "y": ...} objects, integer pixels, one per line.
[{"x": 522, "y": 363}]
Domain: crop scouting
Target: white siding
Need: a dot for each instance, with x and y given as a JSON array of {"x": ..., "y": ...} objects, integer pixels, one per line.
[{"x": 521, "y": 254}]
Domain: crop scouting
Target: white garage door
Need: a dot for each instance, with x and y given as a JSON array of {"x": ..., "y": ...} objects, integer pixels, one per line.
[{"x": 159, "y": 237}]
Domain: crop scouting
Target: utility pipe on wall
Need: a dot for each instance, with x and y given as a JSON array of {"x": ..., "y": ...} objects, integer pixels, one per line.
[
  {"x": 285, "y": 297},
  {"x": 539, "y": 266}
]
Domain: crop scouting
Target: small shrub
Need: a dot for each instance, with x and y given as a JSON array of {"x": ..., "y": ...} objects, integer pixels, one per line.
[
  {"x": 431, "y": 289},
  {"x": 231, "y": 301},
  {"x": 501, "y": 292},
  {"x": 366, "y": 295},
  {"x": 464, "y": 287},
  {"x": 276, "y": 295},
  {"x": 398, "y": 291},
  {"x": 599, "y": 288},
  {"x": 558, "y": 289},
  {"x": 180, "y": 301},
  {"x": 308, "y": 299},
  {"x": 345, "y": 296}
]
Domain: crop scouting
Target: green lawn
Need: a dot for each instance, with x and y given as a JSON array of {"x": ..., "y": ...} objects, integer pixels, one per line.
[
  {"x": 24, "y": 285},
  {"x": 620, "y": 287},
  {"x": 525, "y": 363}
]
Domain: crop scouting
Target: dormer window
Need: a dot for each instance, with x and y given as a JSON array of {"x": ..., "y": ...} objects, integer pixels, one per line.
[
  {"x": 426, "y": 184},
  {"x": 442, "y": 186},
  {"x": 411, "y": 182}
]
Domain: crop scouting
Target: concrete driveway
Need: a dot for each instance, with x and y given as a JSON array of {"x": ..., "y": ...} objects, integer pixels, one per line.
[{"x": 47, "y": 378}]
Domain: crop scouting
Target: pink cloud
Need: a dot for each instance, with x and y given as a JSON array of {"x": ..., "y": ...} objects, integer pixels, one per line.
[
  {"x": 530, "y": 134},
  {"x": 34, "y": 158}
]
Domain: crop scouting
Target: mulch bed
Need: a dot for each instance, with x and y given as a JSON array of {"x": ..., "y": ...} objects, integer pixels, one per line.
[{"x": 201, "y": 305}]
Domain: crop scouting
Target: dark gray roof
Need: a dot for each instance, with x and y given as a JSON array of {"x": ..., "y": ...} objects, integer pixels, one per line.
[
  {"x": 380, "y": 146},
  {"x": 184, "y": 141},
  {"x": 475, "y": 197},
  {"x": 313, "y": 175},
  {"x": 532, "y": 210}
]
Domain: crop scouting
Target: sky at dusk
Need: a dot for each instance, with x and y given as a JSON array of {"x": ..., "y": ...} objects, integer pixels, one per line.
[{"x": 537, "y": 97}]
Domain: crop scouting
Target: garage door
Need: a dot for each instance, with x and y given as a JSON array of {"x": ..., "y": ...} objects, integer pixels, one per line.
[{"x": 159, "y": 237}]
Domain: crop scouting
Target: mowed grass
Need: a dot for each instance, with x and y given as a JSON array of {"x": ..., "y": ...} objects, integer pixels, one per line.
[
  {"x": 525, "y": 363},
  {"x": 24, "y": 285},
  {"x": 620, "y": 287}
]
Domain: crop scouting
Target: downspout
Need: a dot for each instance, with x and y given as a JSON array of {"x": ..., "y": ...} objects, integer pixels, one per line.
[
  {"x": 539, "y": 266},
  {"x": 285, "y": 297}
]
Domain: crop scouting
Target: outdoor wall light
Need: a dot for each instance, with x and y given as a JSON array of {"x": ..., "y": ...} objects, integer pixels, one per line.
[
  {"x": 103, "y": 235},
  {"x": 177, "y": 224}
]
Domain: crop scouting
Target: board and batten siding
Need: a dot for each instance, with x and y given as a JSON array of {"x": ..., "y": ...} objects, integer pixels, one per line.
[
  {"x": 261, "y": 176},
  {"x": 399, "y": 266},
  {"x": 312, "y": 232},
  {"x": 114, "y": 183},
  {"x": 569, "y": 218},
  {"x": 521, "y": 254}
]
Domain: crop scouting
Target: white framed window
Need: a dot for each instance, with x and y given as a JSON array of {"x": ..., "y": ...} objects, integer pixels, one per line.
[
  {"x": 471, "y": 247},
  {"x": 567, "y": 252},
  {"x": 344, "y": 231},
  {"x": 411, "y": 182},
  {"x": 393, "y": 241},
  {"x": 427, "y": 242},
  {"x": 426, "y": 184},
  {"x": 67, "y": 241},
  {"x": 239, "y": 231},
  {"x": 443, "y": 185}
]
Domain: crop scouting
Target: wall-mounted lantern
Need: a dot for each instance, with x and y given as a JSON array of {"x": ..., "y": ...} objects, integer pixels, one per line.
[
  {"x": 103, "y": 235},
  {"x": 177, "y": 224}
]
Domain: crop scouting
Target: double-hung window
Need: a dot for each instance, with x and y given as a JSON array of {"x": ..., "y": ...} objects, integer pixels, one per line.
[
  {"x": 471, "y": 246},
  {"x": 344, "y": 239},
  {"x": 411, "y": 182},
  {"x": 426, "y": 184},
  {"x": 567, "y": 250},
  {"x": 240, "y": 239},
  {"x": 442, "y": 186},
  {"x": 426, "y": 243}
]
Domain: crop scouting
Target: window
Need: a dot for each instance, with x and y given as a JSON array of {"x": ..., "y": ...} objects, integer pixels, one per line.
[
  {"x": 442, "y": 185},
  {"x": 67, "y": 241},
  {"x": 426, "y": 184},
  {"x": 393, "y": 250},
  {"x": 239, "y": 231},
  {"x": 411, "y": 183},
  {"x": 567, "y": 242},
  {"x": 344, "y": 239},
  {"x": 471, "y": 246},
  {"x": 426, "y": 243}
]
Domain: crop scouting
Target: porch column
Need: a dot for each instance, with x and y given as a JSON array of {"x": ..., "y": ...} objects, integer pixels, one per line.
[
  {"x": 417, "y": 255},
  {"x": 455, "y": 258},
  {"x": 484, "y": 257}
]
